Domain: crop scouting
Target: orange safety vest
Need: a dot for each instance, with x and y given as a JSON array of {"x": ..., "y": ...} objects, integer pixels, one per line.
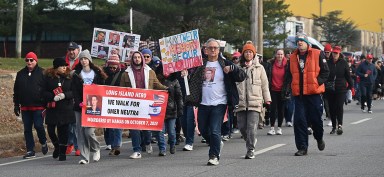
[{"x": 311, "y": 71}]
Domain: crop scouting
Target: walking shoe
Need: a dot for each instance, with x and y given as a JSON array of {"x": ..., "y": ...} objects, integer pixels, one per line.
[
  {"x": 172, "y": 150},
  {"x": 162, "y": 153},
  {"x": 289, "y": 124},
  {"x": 70, "y": 148},
  {"x": 363, "y": 110},
  {"x": 225, "y": 137},
  {"x": 235, "y": 130},
  {"x": 339, "y": 130},
  {"x": 271, "y": 131},
  {"x": 117, "y": 151},
  {"x": 213, "y": 160},
  {"x": 96, "y": 156},
  {"x": 148, "y": 148},
  {"x": 260, "y": 126},
  {"x": 44, "y": 148},
  {"x": 333, "y": 131},
  {"x": 301, "y": 152},
  {"x": 153, "y": 140},
  {"x": 29, "y": 154},
  {"x": 112, "y": 152},
  {"x": 329, "y": 124},
  {"x": 250, "y": 155},
  {"x": 321, "y": 144},
  {"x": 82, "y": 162},
  {"x": 369, "y": 111},
  {"x": 135, "y": 155},
  {"x": 203, "y": 140},
  {"x": 279, "y": 131},
  {"x": 188, "y": 147},
  {"x": 310, "y": 131},
  {"x": 77, "y": 152},
  {"x": 108, "y": 147}
]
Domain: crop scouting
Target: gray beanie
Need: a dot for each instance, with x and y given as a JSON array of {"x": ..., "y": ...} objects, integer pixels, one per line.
[{"x": 85, "y": 54}]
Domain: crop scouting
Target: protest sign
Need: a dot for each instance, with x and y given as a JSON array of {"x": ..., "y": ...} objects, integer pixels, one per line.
[
  {"x": 180, "y": 52},
  {"x": 121, "y": 107},
  {"x": 105, "y": 40}
]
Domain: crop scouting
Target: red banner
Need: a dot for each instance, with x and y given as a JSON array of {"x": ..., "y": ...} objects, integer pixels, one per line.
[{"x": 122, "y": 107}]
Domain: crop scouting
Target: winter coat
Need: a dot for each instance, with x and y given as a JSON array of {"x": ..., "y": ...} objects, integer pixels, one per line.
[
  {"x": 340, "y": 73},
  {"x": 151, "y": 81},
  {"x": 230, "y": 79},
  {"x": 364, "y": 68},
  {"x": 63, "y": 112},
  {"x": 175, "y": 97},
  {"x": 254, "y": 90},
  {"x": 111, "y": 76},
  {"x": 28, "y": 89}
]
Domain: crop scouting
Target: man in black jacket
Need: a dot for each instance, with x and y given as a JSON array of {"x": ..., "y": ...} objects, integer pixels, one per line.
[{"x": 28, "y": 99}]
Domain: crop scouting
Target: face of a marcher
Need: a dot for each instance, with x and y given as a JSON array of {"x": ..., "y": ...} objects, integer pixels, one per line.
[
  {"x": 61, "y": 69},
  {"x": 279, "y": 55},
  {"x": 73, "y": 53},
  {"x": 335, "y": 55},
  {"x": 137, "y": 59},
  {"x": 147, "y": 58},
  {"x": 84, "y": 62},
  {"x": 302, "y": 45},
  {"x": 327, "y": 54},
  {"x": 30, "y": 63},
  {"x": 213, "y": 49},
  {"x": 113, "y": 68},
  {"x": 248, "y": 55}
]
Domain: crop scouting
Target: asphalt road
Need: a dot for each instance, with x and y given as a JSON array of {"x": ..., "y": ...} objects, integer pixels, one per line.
[{"x": 358, "y": 152}]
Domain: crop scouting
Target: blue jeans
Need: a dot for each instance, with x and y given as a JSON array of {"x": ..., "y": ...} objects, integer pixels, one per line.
[
  {"x": 366, "y": 95},
  {"x": 188, "y": 124},
  {"x": 210, "y": 119},
  {"x": 159, "y": 135},
  {"x": 137, "y": 139},
  {"x": 33, "y": 118},
  {"x": 117, "y": 136},
  {"x": 108, "y": 136},
  {"x": 169, "y": 125},
  {"x": 289, "y": 108},
  {"x": 72, "y": 135},
  {"x": 308, "y": 109}
]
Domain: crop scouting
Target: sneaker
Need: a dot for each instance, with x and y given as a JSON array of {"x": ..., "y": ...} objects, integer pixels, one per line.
[
  {"x": 77, "y": 152},
  {"x": 112, "y": 152},
  {"x": 44, "y": 148},
  {"x": 188, "y": 147},
  {"x": 135, "y": 155},
  {"x": 289, "y": 124},
  {"x": 29, "y": 154},
  {"x": 96, "y": 156},
  {"x": 250, "y": 155},
  {"x": 329, "y": 124},
  {"x": 301, "y": 152},
  {"x": 260, "y": 126},
  {"x": 363, "y": 110},
  {"x": 172, "y": 150},
  {"x": 225, "y": 138},
  {"x": 235, "y": 130},
  {"x": 162, "y": 153},
  {"x": 69, "y": 149},
  {"x": 82, "y": 162},
  {"x": 148, "y": 148},
  {"x": 339, "y": 130},
  {"x": 108, "y": 147},
  {"x": 271, "y": 131},
  {"x": 203, "y": 140},
  {"x": 213, "y": 160},
  {"x": 333, "y": 131},
  {"x": 310, "y": 131},
  {"x": 117, "y": 151},
  {"x": 321, "y": 145},
  {"x": 279, "y": 131},
  {"x": 369, "y": 111}
]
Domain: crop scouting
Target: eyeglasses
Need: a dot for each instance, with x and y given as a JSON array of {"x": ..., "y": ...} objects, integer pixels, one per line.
[
  {"x": 213, "y": 48},
  {"x": 112, "y": 67},
  {"x": 335, "y": 53},
  {"x": 29, "y": 60},
  {"x": 145, "y": 56},
  {"x": 327, "y": 52},
  {"x": 235, "y": 58}
]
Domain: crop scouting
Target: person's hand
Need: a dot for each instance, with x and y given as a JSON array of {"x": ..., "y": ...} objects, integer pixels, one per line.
[
  {"x": 61, "y": 95},
  {"x": 16, "y": 110},
  {"x": 81, "y": 104},
  {"x": 228, "y": 69},
  {"x": 56, "y": 98},
  {"x": 184, "y": 73}
]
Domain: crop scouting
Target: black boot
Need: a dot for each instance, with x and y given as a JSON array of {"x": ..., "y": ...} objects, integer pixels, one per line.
[
  {"x": 62, "y": 156},
  {"x": 55, "y": 153}
]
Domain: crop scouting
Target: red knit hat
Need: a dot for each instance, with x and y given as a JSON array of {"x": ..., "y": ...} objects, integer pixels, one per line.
[
  {"x": 113, "y": 60},
  {"x": 31, "y": 55},
  {"x": 249, "y": 46},
  {"x": 328, "y": 48}
]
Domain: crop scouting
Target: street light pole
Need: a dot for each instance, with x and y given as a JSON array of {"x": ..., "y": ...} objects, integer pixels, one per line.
[
  {"x": 321, "y": 2},
  {"x": 19, "y": 27}
]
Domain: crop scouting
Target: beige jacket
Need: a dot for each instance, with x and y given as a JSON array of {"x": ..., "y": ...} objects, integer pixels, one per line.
[{"x": 254, "y": 90}]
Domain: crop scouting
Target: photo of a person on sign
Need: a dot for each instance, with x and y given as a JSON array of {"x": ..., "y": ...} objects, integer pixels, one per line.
[{"x": 93, "y": 107}]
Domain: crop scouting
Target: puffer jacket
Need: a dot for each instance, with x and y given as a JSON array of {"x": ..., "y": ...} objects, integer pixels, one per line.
[{"x": 254, "y": 90}]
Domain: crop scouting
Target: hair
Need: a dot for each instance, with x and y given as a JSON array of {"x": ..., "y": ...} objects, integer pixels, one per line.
[
  {"x": 95, "y": 68},
  {"x": 52, "y": 73},
  {"x": 210, "y": 40}
]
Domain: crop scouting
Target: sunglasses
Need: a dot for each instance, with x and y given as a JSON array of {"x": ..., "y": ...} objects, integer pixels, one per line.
[
  {"x": 147, "y": 56},
  {"x": 29, "y": 60},
  {"x": 327, "y": 52},
  {"x": 112, "y": 67}
]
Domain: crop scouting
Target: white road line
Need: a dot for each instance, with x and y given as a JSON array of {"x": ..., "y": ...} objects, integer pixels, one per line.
[
  {"x": 360, "y": 121},
  {"x": 267, "y": 149},
  {"x": 36, "y": 158}
]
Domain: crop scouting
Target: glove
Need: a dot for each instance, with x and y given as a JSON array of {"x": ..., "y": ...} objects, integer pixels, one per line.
[
  {"x": 81, "y": 104},
  {"x": 267, "y": 105},
  {"x": 169, "y": 90},
  {"x": 16, "y": 110},
  {"x": 61, "y": 95},
  {"x": 56, "y": 98}
]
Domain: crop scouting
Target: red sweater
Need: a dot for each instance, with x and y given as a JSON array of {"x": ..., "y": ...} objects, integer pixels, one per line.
[{"x": 278, "y": 75}]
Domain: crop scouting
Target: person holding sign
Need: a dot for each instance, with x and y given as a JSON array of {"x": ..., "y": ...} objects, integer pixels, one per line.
[
  {"x": 140, "y": 75},
  {"x": 57, "y": 90},
  {"x": 85, "y": 74},
  {"x": 212, "y": 98}
]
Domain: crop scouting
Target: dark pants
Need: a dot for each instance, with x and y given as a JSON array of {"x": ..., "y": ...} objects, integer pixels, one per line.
[
  {"x": 336, "y": 110},
  {"x": 226, "y": 126},
  {"x": 289, "y": 107},
  {"x": 188, "y": 124},
  {"x": 62, "y": 134},
  {"x": 177, "y": 127},
  {"x": 210, "y": 119},
  {"x": 33, "y": 118},
  {"x": 366, "y": 95},
  {"x": 276, "y": 109},
  {"x": 308, "y": 110}
]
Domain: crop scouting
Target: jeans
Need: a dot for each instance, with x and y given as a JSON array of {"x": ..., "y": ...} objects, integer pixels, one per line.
[
  {"x": 289, "y": 108},
  {"x": 210, "y": 119},
  {"x": 308, "y": 110},
  {"x": 108, "y": 136},
  {"x": 366, "y": 95},
  {"x": 169, "y": 125},
  {"x": 72, "y": 135},
  {"x": 188, "y": 124},
  {"x": 247, "y": 121},
  {"x": 159, "y": 135},
  {"x": 117, "y": 136},
  {"x": 137, "y": 139},
  {"x": 33, "y": 118}
]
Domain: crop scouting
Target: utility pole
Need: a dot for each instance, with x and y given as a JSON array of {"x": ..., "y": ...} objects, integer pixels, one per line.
[
  {"x": 19, "y": 27},
  {"x": 321, "y": 2},
  {"x": 260, "y": 41},
  {"x": 382, "y": 35},
  {"x": 254, "y": 22}
]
